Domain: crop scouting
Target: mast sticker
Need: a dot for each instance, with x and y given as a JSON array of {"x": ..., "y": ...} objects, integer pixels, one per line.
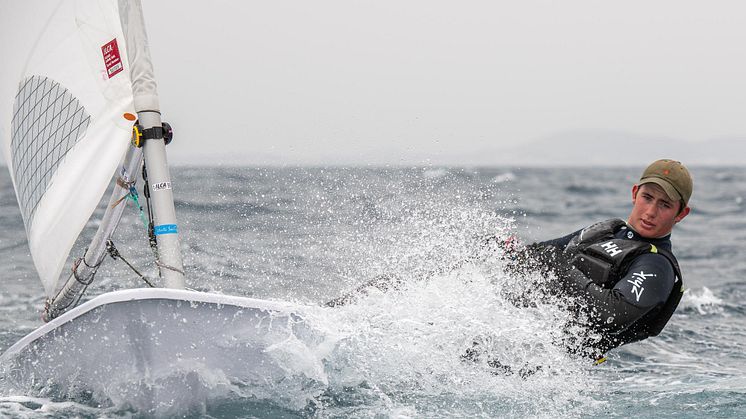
[
  {"x": 166, "y": 229},
  {"x": 112, "y": 59},
  {"x": 160, "y": 186}
]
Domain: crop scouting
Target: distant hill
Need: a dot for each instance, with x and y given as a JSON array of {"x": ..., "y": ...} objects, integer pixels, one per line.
[{"x": 615, "y": 149}]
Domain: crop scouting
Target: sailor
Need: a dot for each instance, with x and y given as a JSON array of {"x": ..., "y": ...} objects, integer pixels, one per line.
[{"x": 622, "y": 275}]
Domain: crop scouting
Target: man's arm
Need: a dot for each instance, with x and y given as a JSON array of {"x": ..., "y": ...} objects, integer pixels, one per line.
[
  {"x": 646, "y": 285},
  {"x": 561, "y": 242}
]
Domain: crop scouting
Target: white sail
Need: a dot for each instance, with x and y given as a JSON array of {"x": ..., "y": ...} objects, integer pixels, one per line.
[{"x": 66, "y": 117}]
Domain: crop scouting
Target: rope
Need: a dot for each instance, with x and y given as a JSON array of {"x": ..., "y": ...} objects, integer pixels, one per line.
[
  {"x": 114, "y": 253},
  {"x": 134, "y": 198},
  {"x": 93, "y": 267},
  {"x": 151, "y": 226},
  {"x": 170, "y": 268},
  {"x": 152, "y": 238},
  {"x": 124, "y": 185}
]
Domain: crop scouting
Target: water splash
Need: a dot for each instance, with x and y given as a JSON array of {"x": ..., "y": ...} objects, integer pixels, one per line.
[
  {"x": 404, "y": 352},
  {"x": 504, "y": 177},
  {"x": 703, "y": 300},
  {"x": 434, "y": 173},
  {"x": 408, "y": 346}
]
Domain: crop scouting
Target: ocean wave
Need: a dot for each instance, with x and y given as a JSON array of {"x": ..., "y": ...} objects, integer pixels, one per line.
[
  {"x": 36, "y": 407},
  {"x": 12, "y": 245},
  {"x": 588, "y": 190},
  {"x": 243, "y": 208},
  {"x": 399, "y": 352}
]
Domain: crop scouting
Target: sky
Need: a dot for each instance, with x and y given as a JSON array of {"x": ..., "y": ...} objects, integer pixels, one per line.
[{"x": 381, "y": 82}]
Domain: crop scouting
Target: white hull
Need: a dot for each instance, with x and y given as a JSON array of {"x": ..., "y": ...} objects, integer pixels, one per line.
[{"x": 162, "y": 349}]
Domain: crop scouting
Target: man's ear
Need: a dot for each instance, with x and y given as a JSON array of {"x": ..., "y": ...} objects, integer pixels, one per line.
[
  {"x": 682, "y": 214},
  {"x": 635, "y": 188}
]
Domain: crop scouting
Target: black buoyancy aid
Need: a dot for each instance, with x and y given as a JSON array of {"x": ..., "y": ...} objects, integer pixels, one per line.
[{"x": 604, "y": 259}]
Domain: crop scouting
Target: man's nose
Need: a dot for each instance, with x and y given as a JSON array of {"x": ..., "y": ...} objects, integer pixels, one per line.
[{"x": 652, "y": 210}]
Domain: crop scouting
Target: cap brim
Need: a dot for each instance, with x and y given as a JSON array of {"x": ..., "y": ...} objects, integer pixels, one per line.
[{"x": 667, "y": 187}]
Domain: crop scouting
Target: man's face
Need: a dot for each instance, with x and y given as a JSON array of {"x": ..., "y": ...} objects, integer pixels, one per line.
[{"x": 653, "y": 212}]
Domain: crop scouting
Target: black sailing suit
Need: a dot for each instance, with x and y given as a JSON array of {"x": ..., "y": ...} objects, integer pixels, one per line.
[{"x": 629, "y": 305}]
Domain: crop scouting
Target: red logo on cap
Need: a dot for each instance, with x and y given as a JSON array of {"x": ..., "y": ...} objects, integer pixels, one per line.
[{"x": 666, "y": 172}]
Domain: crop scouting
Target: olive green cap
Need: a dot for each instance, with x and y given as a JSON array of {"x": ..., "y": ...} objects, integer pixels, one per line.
[{"x": 672, "y": 176}]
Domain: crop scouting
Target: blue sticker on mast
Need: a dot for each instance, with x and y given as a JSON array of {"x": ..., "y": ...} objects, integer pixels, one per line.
[{"x": 166, "y": 229}]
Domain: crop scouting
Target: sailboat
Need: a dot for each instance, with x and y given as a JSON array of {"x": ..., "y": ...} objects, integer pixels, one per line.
[{"x": 78, "y": 109}]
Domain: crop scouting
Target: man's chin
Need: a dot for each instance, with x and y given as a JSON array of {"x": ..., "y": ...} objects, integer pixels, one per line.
[{"x": 646, "y": 231}]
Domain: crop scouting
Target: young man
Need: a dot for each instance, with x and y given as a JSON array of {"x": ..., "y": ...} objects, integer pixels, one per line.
[
  {"x": 621, "y": 277},
  {"x": 624, "y": 274}
]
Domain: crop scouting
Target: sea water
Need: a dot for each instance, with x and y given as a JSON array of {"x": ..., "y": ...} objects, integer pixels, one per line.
[{"x": 308, "y": 235}]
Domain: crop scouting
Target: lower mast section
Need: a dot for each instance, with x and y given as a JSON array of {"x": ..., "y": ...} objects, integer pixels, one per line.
[{"x": 165, "y": 227}]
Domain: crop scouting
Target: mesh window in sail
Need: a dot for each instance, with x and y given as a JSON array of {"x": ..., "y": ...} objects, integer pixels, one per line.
[{"x": 47, "y": 122}]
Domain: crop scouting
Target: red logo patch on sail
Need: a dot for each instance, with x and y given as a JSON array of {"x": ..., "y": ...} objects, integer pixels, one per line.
[{"x": 112, "y": 59}]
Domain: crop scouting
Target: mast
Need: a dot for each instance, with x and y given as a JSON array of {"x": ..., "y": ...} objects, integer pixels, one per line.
[
  {"x": 150, "y": 145},
  {"x": 147, "y": 106}
]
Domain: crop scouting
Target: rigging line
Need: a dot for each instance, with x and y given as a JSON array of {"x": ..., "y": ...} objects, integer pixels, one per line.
[
  {"x": 171, "y": 268},
  {"x": 132, "y": 195},
  {"x": 151, "y": 226},
  {"x": 114, "y": 253},
  {"x": 93, "y": 267},
  {"x": 70, "y": 294},
  {"x": 152, "y": 239},
  {"x": 124, "y": 185},
  {"x": 119, "y": 201}
]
